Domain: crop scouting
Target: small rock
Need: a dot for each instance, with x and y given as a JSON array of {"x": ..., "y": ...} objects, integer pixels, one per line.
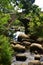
[
  {"x": 41, "y": 58},
  {"x": 26, "y": 44},
  {"x": 34, "y": 62},
  {"x": 13, "y": 42},
  {"x": 41, "y": 63},
  {"x": 40, "y": 40},
  {"x": 23, "y": 64},
  {"x": 37, "y": 57}
]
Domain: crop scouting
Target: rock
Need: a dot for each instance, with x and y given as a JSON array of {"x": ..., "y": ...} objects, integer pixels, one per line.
[
  {"x": 32, "y": 41},
  {"x": 37, "y": 57},
  {"x": 41, "y": 63},
  {"x": 19, "y": 48},
  {"x": 20, "y": 57},
  {"x": 34, "y": 62},
  {"x": 12, "y": 45},
  {"x": 34, "y": 37},
  {"x": 26, "y": 44},
  {"x": 22, "y": 36},
  {"x": 40, "y": 40},
  {"x": 41, "y": 58},
  {"x": 36, "y": 47},
  {"x": 23, "y": 64},
  {"x": 25, "y": 40},
  {"x": 13, "y": 42}
]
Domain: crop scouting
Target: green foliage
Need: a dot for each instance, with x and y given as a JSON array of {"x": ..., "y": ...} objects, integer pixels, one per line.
[
  {"x": 4, "y": 18},
  {"x": 6, "y": 51},
  {"x": 3, "y": 22},
  {"x": 5, "y": 6},
  {"x": 25, "y": 4},
  {"x": 17, "y": 23},
  {"x": 36, "y": 21}
]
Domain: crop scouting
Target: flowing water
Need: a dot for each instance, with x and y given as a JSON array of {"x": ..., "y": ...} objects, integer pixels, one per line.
[{"x": 30, "y": 56}]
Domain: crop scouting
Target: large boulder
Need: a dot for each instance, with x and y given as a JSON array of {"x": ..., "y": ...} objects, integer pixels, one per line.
[
  {"x": 20, "y": 57},
  {"x": 19, "y": 48},
  {"x": 34, "y": 62},
  {"x": 36, "y": 47},
  {"x": 22, "y": 36}
]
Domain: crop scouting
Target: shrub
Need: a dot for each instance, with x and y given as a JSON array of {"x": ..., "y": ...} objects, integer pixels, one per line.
[{"x": 6, "y": 51}]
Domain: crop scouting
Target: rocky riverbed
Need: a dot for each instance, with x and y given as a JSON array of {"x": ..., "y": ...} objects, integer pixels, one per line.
[{"x": 29, "y": 51}]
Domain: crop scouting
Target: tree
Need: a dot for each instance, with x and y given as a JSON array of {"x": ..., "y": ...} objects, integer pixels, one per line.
[
  {"x": 36, "y": 23},
  {"x": 24, "y": 4},
  {"x": 5, "y": 6}
]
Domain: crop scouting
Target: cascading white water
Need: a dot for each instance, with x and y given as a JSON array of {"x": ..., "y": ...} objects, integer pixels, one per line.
[{"x": 15, "y": 35}]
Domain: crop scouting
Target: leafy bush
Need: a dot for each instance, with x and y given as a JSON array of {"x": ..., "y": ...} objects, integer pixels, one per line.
[
  {"x": 6, "y": 51},
  {"x": 17, "y": 22},
  {"x": 3, "y": 22},
  {"x": 36, "y": 21}
]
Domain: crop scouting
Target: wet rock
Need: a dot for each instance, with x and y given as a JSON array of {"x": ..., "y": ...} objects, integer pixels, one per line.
[
  {"x": 25, "y": 40},
  {"x": 36, "y": 47},
  {"x": 23, "y": 64},
  {"x": 41, "y": 63},
  {"x": 22, "y": 36},
  {"x": 26, "y": 44},
  {"x": 34, "y": 37},
  {"x": 21, "y": 57},
  {"x": 40, "y": 40},
  {"x": 19, "y": 48},
  {"x": 41, "y": 58},
  {"x": 37, "y": 57},
  {"x": 34, "y": 62},
  {"x": 13, "y": 42},
  {"x": 32, "y": 40}
]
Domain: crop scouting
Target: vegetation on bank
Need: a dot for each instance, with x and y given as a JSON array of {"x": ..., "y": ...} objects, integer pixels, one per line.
[{"x": 6, "y": 50}]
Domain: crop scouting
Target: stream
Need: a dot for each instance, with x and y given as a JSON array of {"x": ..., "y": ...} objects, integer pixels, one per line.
[{"x": 30, "y": 56}]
